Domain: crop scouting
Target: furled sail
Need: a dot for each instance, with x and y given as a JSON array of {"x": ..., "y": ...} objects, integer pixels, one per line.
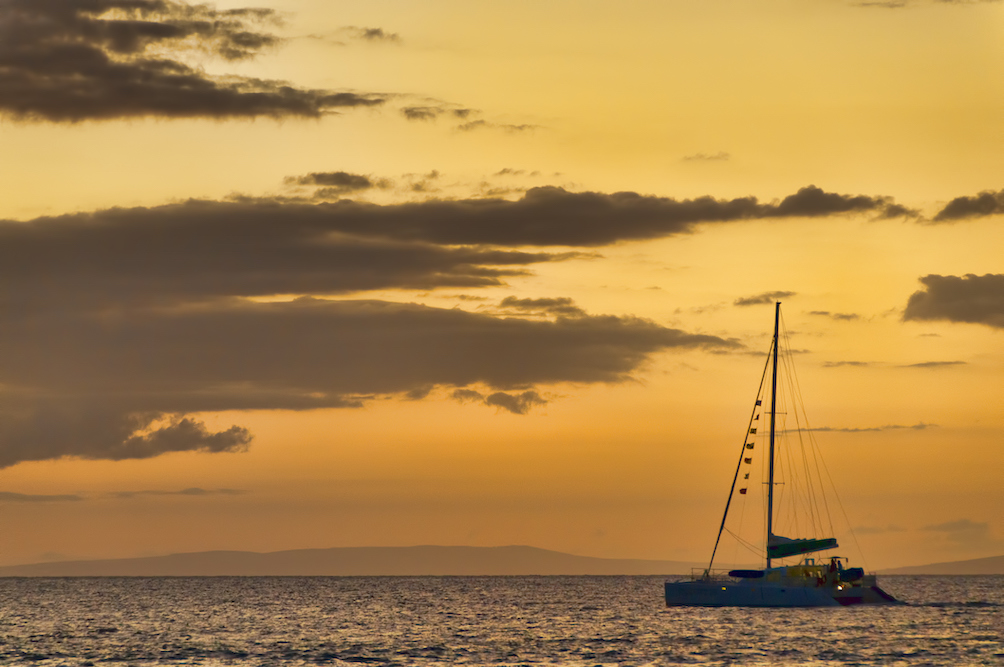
[{"x": 782, "y": 547}]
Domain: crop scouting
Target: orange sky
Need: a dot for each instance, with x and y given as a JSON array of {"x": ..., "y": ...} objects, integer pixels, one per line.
[{"x": 499, "y": 346}]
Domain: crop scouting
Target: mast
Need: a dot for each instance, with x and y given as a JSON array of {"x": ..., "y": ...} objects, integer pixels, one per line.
[{"x": 773, "y": 415}]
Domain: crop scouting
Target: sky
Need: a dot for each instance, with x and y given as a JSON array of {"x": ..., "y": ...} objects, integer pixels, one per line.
[{"x": 319, "y": 273}]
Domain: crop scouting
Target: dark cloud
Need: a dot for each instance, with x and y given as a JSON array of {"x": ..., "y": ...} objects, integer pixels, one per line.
[
  {"x": 561, "y": 306},
  {"x": 11, "y": 497},
  {"x": 223, "y": 232},
  {"x": 893, "y": 210},
  {"x": 74, "y": 60},
  {"x": 960, "y": 526},
  {"x": 554, "y": 216},
  {"x": 467, "y": 395},
  {"x": 720, "y": 156},
  {"x": 984, "y": 204},
  {"x": 920, "y": 426},
  {"x": 193, "y": 491},
  {"x": 432, "y": 112},
  {"x": 488, "y": 125},
  {"x": 199, "y": 250},
  {"x": 845, "y": 317},
  {"x": 338, "y": 182},
  {"x": 118, "y": 384},
  {"x": 422, "y": 113},
  {"x": 964, "y": 531},
  {"x": 518, "y": 404},
  {"x": 894, "y": 4},
  {"x": 934, "y": 364},
  {"x": 130, "y": 323},
  {"x": 970, "y": 298},
  {"x": 812, "y": 202},
  {"x": 762, "y": 299},
  {"x": 838, "y": 364},
  {"x": 39, "y": 429},
  {"x": 372, "y": 34}
]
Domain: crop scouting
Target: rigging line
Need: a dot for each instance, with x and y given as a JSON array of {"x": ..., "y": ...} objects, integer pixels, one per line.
[
  {"x": 745, "y": 543},
  {"x": 810, "y": 491},
  {"x": 804, "y": 498},
  {"x": 742, "y": 452},
  {"x": 817, "y": 458},
  {"x": 814, "y": 449},
  {"x": 817, "y": 452},
  {"x": 840, "y": 504}
]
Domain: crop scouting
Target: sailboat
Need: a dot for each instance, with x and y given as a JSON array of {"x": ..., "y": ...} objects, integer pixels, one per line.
[{"x": 810, "y": 581}]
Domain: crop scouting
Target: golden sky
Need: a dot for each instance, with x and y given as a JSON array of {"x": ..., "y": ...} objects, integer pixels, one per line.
[{"x": 323, "y": 273}]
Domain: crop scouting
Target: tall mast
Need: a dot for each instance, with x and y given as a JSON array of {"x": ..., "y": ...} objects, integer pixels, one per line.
[{"x": 773, "y": 415}]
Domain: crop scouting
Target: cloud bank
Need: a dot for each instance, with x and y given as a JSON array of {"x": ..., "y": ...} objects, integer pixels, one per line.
[{"x": 132, "y": 323}]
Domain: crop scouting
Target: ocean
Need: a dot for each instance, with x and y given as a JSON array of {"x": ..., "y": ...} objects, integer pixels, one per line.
[{"x": 572, "y": 621}]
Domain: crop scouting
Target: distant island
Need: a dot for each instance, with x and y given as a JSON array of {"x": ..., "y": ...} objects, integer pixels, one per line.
[
  {"x": 405, "y": 561},
  {"x": 992, "y": 565},
  {"x": 354, "y": 561}
]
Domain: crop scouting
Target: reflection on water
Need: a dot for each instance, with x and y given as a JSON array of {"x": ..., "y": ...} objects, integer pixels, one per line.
[{"x": 479, "y": 621}]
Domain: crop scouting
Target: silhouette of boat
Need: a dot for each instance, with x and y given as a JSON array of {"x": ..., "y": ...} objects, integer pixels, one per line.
[{"x": 811, "y": 581}]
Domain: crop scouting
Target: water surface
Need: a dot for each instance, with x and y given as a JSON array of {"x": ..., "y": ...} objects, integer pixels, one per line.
[{"x": 569, "y": 621}]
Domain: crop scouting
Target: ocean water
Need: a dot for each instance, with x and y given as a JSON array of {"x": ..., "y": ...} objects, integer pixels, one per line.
[{"x": 580, "y": 621}]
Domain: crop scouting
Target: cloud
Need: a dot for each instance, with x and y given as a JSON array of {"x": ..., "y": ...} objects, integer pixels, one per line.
[
  {"x": 199, "y": 250},
  {"x": 200, "y": 238},
  {"x": 959, "y": 526},
  {"x": 763, "y": 298},
  {"x": 561, "y": 306},
  {"x": 488, "y": 125},
  {"x": 964, "y": 531},
  {"x": 844, "y": 317},
  {"x": 838, "y": 364},
  {"x": 920, "y": 426},
  {"x": 341, "y": 180},
  {"x": 68, "y": 61},
  {"x": 467, "y": 395},
  {"x": 518, "y": 404},
  {"x": 934, "y": 364},
  {"x": 812, "y": 202},
  {"x": 333, "y": 184},
  {"x": 371, "y": 34},
  {"x": 720, "y": 156},
  {"x": 970, "y": 298},
  {"x": 39, "y": 429},
  {"x": 421, "y": 113},
  {"x": 554, "y": 216},
  {"x": 432, "y": 112},
  {"x": 125, "y": 383},
  {"x": 193, "y": 491},
  {"x": 893, "y": 4},
  {"x": 11, "y": 497},
  {"x": 984, "y": 204}
]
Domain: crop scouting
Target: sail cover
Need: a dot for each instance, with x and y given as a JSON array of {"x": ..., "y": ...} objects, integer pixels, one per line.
[{"x": 782, "y": 547}]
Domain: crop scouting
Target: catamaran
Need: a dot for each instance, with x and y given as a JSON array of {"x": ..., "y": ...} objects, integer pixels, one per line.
[{"x": 808, "y": 582}]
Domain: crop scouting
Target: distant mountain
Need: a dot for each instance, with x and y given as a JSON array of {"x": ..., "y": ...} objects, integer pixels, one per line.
[
  {"x": 992, "y": 565},
  {"x": 353, "y": 561}
]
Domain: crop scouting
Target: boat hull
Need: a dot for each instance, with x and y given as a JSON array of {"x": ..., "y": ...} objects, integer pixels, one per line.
[{"x": 767, "y": 594}]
